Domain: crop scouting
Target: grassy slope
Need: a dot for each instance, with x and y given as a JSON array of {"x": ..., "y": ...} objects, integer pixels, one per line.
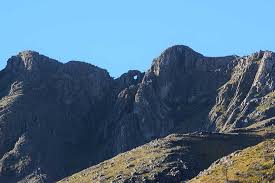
[
  {"x": 174, "y": 158},
  {"x": 253, "y": 164}
]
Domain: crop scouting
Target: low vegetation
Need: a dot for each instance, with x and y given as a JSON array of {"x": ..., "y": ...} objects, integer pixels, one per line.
[
  {"x": 253, "y": 164},
  {"x": 175, "y": 158}
]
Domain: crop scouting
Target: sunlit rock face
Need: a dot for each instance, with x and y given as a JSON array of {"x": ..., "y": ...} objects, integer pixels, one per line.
[{"x": 248, "y": 96}]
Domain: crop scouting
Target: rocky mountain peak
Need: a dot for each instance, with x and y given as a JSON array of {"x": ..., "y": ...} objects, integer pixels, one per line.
[
  {"x": 174, "y": 57},
  {"x": 30, "y": 61},
  {"x": 261, "y": 54},
  {"x": 178, "y": 49},
  {"x": 27, "y": 55}
]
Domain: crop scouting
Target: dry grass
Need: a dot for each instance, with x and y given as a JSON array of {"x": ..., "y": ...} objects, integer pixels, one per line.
[
  {"x": 122, "y": 165},
  {"x": 154, "y": 160},
  {"x": 253, "y": 164}
]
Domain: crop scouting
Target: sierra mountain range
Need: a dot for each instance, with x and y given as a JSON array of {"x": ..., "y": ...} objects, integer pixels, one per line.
[{"x": 57, "y": 119}]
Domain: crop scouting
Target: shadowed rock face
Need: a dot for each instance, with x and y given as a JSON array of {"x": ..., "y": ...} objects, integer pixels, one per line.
[
  {"x": 50, "y": 114},
  {"x": 56, "y": 119},
  {"x": 175, "y": 95}
]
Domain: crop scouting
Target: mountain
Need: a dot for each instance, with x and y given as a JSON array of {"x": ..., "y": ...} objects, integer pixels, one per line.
[
  {"x": 57, "y": 119},
  {"x": 49, "y": 114}
]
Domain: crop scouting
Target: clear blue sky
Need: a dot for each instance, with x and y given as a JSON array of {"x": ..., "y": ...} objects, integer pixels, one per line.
[{"x": 119, "y": 35}]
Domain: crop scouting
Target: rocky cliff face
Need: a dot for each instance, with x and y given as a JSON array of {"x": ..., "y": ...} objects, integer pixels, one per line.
[
  {"x": 56, "y": 119},
  {"x": 248, "y": 96},
  {"x": 175, "y": 95}
]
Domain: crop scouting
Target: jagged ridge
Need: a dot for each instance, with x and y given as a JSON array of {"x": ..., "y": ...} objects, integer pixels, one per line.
[{"x": 52, "y": 113}]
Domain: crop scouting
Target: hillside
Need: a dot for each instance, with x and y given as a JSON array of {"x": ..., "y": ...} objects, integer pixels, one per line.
[
  {"x": 175, "y": 158},
  {"x": 253, "y": 164}
]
